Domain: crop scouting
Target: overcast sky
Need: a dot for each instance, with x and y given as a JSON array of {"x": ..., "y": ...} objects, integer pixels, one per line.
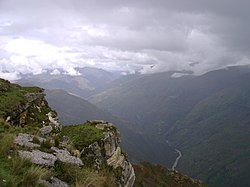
[{"x": 126, "y": 35}]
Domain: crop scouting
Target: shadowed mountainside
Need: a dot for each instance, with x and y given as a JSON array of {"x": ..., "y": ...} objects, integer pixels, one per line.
[
  {"x": 72, "y": 109},
  {"x": 206, "y": 117}
]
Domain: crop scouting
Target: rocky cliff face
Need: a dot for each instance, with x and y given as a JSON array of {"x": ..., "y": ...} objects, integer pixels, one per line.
[
  {"x": 72, "y": 155},
  {"x": 107, "y": 150}
]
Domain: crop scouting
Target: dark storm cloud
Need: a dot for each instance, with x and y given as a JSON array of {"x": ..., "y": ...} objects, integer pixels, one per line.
[{"x": 146, "y": 36}]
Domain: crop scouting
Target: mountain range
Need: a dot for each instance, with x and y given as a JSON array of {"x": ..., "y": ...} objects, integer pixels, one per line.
[
  {"x": 83, "y": 84},
  {"x": 72, "y": 109},
  {"x": 205, "y": 117}
]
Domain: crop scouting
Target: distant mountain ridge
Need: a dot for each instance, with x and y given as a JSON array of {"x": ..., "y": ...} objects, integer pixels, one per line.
[
  {"x": 72, "y": 110},
  {"x": 206, "y": 117},
  {"x": 88, "y": 80}
]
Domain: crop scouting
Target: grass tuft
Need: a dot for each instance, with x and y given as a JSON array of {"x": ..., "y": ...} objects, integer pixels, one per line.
[
  {"x": 33, "y": 175},
  {"x": 6, "y": 143}
]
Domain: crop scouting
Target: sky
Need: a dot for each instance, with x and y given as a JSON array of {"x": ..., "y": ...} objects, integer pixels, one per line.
[{"x": 146, "y": 36}]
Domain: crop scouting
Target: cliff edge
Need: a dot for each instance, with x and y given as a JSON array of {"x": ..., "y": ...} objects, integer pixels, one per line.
[{"x": 37, "y": 150}]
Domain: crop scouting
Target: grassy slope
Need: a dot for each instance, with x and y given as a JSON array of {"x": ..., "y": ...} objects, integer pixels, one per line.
[
  {"x": 15, "y": 172},
  {"x": 86, "y": 134},
  {"x": 12, "y": 96}
]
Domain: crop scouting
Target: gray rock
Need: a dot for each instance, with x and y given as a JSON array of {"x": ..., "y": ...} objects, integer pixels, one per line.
[
  {"x": 110, "y": 143},
  {"x": 100, "y": 126},
  {"x": 31, "y": 97},
  {"x": 54, "y": 182},
  {"x": 39, "y": 157},
  {"x": 130, "y": 177},
  {"x": 54, "y": 121},
  {"x": 94, "y": 150},
  {"x": 119, "y": 160},
  {"x": 25, "y": 140},
  {"x": 64, "y": 156},
  {"x": 46, "y": 130},
  {"x": 97, "y": 121}
]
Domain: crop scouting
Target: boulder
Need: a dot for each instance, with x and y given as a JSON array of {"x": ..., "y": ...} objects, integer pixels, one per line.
[
  {"x": 46, "y": 130},
  {"x": 54, "y": 121},
  {"x": 64, "y": 156},
  {"x": 38, "y": 157},
  {"x": 25, "y": 140},
  {"x": 54, "y": 182}
]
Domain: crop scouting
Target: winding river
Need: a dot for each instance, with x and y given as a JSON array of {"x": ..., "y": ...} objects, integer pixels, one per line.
[{"x": 177, "y": 159}]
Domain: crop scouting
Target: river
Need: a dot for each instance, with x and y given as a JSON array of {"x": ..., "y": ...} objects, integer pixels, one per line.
[{"x": 177, "y": 159}]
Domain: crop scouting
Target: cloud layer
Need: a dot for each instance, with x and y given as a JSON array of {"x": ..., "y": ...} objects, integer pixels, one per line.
[{"x": 146, "y": 36}]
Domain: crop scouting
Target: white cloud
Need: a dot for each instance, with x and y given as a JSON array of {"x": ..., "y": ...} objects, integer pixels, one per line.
[
  {"x": 55, "y": 72},
  {"x": 131, "y": 36}
]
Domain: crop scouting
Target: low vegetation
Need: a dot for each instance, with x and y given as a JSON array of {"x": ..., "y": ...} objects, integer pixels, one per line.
[
  {"x": 82, "y": 135},
  {"x": 15, "y": 171},
  {"x": 84, "y": 176},
  {"x": 148, "y": 175}
]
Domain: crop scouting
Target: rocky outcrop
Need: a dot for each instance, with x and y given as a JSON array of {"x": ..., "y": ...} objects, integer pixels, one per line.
[
  {"x": 26, "y": 141},
  {"x": 53, "y": 121},
  {"x": 108, "y": 150},
  {"x": 39, "y": 157},
  {"x": 104, "y": 151},
  {"x": 44, "y": 144},
  {"x": 54, "y": 182},
  {"x": 46, "y": 130},
  {"x": 119, "y": 160},
  {"x": 47, "y": 159},
  {"x": 32, "y": 110},
  {"x": 64, "y": 156}
]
